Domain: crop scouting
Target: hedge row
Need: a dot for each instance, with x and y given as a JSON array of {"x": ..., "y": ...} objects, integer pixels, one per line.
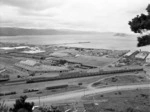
[
  {"x": 8, "y": 93},
  {"x": 3, "y": 79},
  {"x": 30, "y": 90},
  {"x": 56, "y": 87}
]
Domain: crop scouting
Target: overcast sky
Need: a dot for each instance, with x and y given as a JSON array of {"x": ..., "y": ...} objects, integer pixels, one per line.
[{"x": 95, "y": 15}]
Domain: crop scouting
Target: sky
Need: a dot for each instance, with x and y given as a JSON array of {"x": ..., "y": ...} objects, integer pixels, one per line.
[{"x": 86, "y": 15}]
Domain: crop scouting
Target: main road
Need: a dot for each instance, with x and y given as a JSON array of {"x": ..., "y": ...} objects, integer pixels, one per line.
[{"x": 79, "y": 93}]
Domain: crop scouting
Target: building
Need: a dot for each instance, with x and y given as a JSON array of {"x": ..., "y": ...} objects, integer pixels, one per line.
[
  {"x": 141, "y": 55},
  {"x": 148, "y": 59},
  {"x": 130, "y": 53},
  {"x": 29, "y": 62}
]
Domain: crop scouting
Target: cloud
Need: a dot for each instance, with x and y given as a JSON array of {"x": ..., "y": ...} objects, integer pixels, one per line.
[
  {"x": 42, "y": 13},
  {"x": 33, "y": 4},
  {"x": 97, "y": 15}
]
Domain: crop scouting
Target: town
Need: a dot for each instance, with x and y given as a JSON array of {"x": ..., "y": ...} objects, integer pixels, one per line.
[{"x": 43, "y": 71}]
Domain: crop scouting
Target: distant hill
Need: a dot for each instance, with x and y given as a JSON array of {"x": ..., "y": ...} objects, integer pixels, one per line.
[{"x": 12, "y": 31}]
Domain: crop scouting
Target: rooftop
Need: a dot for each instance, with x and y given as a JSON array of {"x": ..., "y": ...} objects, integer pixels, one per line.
[
  {"x": 148, "y": 56},
  {"x": 141, "y": 55},
  {"x": 130, "y": 53},
  {"x": 29, "y": 62}
]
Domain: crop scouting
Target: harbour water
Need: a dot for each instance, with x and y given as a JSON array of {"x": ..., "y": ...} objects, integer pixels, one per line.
[{"x": 101, "y": 41}]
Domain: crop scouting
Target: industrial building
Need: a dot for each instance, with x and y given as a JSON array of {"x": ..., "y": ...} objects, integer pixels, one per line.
[
  {"x": 148, "y": 59},
  {"x": 141, "y": 55}
]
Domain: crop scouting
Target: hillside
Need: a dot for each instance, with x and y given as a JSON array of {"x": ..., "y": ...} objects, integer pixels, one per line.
[{"x": 12, "y": 31}]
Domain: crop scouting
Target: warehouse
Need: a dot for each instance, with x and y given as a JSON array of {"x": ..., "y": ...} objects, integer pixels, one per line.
[{"x": 148, "y": 59}]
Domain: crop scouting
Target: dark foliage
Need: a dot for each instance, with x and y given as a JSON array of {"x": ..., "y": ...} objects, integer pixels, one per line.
[
  {"x": 141, "y": 24},
  {"x": 22, "y": 106},
  {"x": 148, "y": 9},
  {"x": 144, "y": 40},
  {"x": 55, "y": 109}
]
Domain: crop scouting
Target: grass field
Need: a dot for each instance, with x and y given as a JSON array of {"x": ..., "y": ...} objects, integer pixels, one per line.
[
  {"x": 121, "y": 101},
  {"x": 8, "y": 64},
  {"x": 123, "y": 79},
  {"x": 91, "y": 60},
  {"x": 8, "y": 61}
]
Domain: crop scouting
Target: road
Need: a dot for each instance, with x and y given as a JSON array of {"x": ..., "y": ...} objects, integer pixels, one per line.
[{"x": 78, "y": 94}]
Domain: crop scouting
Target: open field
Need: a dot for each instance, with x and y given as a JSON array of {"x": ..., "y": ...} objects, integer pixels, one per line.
[
  {"x": 8, "y": 61},
  {"x": 120, "y": 101},
  {"x": 8, "y": 64},
  {"x": 91, "y": 60},
  {"x": 130, "y": 78}
]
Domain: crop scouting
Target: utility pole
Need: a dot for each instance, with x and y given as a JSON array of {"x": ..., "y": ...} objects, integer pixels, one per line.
[
  {"x": 84, "y": 92},
  {"x": 39, "y": 101}
]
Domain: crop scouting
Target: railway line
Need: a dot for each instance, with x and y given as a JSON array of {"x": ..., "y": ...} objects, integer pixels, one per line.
[{"x": 80, "y": 75}]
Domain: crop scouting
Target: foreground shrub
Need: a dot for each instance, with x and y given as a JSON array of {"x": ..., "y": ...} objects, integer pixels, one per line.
[
  {"x": 3, "y": 107},
  {"x": 22, "y": 106}
]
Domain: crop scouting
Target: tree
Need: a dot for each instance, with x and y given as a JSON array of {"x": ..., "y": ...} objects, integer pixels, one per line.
[
  {"x": 141, "y": 24},
  {"x": 22, "y": 106}
]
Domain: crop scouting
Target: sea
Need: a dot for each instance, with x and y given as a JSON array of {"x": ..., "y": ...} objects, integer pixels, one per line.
[{"x": 98, "y": 41}]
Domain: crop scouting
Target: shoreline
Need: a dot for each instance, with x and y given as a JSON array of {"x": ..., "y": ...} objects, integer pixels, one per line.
[{"x": 62, "y": 45}]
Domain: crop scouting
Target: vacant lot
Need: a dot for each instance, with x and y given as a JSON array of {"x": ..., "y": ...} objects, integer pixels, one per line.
[
  {"x": 8, "y": 61},
  {"x": 8, "y": 64},
  {"x": 91, "y": 60},
  {"x": 122, "y": 101},
  {"x": 123, "y": 79}
]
